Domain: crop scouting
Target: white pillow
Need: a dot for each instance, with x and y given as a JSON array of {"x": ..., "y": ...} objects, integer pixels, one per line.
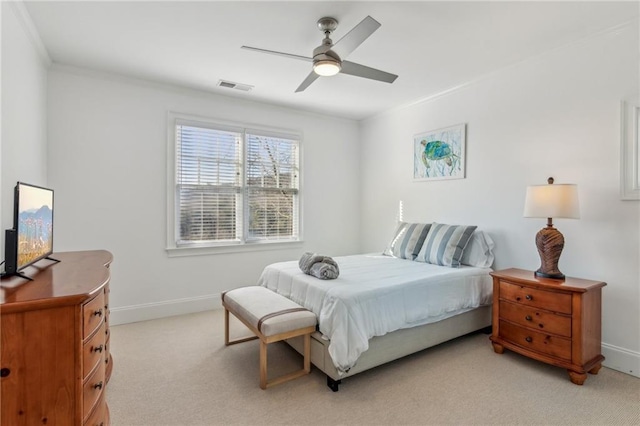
[{"x": 479, "y": 250}]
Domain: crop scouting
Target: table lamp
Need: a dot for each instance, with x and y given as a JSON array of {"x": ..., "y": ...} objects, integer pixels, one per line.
[{"x": 559, "y": 201}]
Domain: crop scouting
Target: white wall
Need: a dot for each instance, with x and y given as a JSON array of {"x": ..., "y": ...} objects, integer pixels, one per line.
[
  {"x": 24, "y": 125},
  {"x": 555, "y": 115},
  {"x": 107, "y": 162}
]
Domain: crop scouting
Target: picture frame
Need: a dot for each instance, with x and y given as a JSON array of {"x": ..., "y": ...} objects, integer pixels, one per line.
[
  {"x": 629, "y": 149},
  {"x": 440, "y": 154}
]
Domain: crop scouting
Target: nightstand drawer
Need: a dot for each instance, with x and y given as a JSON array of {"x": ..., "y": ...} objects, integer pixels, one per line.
[
  {"x": 557, "y": 347},
  {"x": 536, "y": 318},
  {"x": 552, "y": 301}
]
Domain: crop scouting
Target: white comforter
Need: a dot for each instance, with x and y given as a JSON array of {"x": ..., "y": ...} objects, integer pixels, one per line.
[{"x": 375, "y": 295}]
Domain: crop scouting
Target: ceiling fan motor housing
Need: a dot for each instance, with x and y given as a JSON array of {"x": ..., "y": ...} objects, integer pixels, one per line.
[{"x": 324, "y": 53}]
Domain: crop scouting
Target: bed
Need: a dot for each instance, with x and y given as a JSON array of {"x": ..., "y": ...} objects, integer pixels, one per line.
[{"x": 384, "y": 307}]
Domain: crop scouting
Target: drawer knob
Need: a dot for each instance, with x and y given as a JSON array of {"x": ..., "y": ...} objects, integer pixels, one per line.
[
  {"x": 528, "y": 339},
  {"x": 98, "y": 348},
  {"x": 528, "y": 297},
  {"x": 5, "y": 372},
  {"x": 98, "y": 313},
  {"x": 528, "y": 318},
  {"x": 98, "y": 385}
]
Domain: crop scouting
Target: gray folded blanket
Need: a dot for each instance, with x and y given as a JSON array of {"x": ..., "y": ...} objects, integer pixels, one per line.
[{"x": 319, "y": 266}]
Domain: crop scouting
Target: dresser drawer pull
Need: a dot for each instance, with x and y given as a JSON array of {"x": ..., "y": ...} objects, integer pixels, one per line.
[
  {"x": 528, "y": 318},
  {"x": 98, "y": 348},
  {"x": 5, "y": 372},
  {"x": 98, "y": 313},
  {"x": 528, "y": 297},
  {"x": 98, "y": 385},
  {"x": 528, "y": 339}
]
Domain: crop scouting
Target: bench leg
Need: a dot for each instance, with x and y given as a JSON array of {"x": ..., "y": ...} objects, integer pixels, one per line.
[
  {"x": 226, "y": 327},
  {"x": 228, "y": 342},
  {"x": 264, "y": 383},
  {"x": 307, "y": 353},
  {"x": 263, "y": 365}
]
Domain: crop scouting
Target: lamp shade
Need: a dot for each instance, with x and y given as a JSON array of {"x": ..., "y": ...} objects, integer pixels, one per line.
[{"x": 557, "y": 200}]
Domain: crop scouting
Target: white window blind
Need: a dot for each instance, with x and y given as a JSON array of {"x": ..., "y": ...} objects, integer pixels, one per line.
[
  {"x": 235, "y": 186},
  {"x": 272, "y": 187}
]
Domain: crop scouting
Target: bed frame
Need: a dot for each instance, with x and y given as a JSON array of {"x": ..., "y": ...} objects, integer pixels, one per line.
[{"x": 395, "y": 345}]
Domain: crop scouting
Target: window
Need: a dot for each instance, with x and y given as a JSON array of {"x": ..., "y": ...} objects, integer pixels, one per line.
[{"x": 233, "y": 185}]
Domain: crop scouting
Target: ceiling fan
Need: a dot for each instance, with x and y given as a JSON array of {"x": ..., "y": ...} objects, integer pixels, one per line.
[{"x": 328, "y": 57}]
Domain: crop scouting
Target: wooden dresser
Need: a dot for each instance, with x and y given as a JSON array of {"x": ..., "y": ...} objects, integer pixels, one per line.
[
  {"x": 55, "y": 342},
  {"x": 553, "y": 321}
]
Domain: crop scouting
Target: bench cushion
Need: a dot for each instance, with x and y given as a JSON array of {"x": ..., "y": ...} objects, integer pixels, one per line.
[{"x": 253, "y": 303}]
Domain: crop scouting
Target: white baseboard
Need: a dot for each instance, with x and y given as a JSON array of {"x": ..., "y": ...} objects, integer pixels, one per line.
[
  {"x": 169, "y": 308},
  {"x": 621, "y": 359}
]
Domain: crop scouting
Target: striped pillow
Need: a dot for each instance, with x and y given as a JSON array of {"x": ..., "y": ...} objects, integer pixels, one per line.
[
  {"x": 407, "y": 240},
  {"x": 445, "y": 244}
]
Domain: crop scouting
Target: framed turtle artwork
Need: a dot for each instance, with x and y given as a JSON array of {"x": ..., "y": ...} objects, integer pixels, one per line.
[{"x": 439, "y": 154}]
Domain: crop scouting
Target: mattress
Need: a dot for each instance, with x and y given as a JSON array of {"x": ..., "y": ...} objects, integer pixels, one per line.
[{"x": 377, "y": 294}]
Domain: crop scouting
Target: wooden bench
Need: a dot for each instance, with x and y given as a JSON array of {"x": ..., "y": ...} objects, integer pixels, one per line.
[{"x": 272, "y": 318}]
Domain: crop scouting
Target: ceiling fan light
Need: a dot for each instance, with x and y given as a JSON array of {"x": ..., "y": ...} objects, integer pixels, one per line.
[{"x": 326, "y": 68}]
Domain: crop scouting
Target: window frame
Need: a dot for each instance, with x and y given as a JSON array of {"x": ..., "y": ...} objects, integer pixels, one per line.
[{"x": 173, "y": 214}]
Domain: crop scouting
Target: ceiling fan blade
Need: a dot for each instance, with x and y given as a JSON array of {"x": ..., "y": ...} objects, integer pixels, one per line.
[
  {"x": 358, "y": 70},
  {"x": 273, "y": 52},
  {"x": 355, "y": 37},
  {"x": 307, "y": 81}
]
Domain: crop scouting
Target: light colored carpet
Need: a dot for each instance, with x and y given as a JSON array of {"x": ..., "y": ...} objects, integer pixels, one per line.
[{"x": 177, "y": 371}]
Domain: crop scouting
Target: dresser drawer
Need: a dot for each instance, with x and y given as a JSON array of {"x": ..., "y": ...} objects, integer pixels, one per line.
[
  {"x": 99, "y": 416},
  {"x": 93, "y": 351},
  {"x": 536, "y": 318},
  {"x": 552, "y": 301},
  {"x": 93, "y": 313},
  {"x": 557, "y": 347},
  {"x": 92, "y": 389}
]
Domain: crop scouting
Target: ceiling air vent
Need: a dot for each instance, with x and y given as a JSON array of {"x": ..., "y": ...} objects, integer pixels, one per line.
[{"x": 232, "y": 85}]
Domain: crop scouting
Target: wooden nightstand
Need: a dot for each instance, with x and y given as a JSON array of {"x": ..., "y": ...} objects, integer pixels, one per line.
[{"x": 553, "y": 321}]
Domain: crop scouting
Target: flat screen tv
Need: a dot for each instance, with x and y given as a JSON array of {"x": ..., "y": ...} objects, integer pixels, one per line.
[{"x": 31, "y": 238}]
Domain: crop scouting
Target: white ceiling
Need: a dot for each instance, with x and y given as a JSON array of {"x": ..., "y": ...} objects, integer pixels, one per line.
[{"x": 432, "y": 46}]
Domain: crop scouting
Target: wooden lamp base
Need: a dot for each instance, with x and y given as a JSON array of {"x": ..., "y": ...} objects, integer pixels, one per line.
[{"x": 550, "y": 243}]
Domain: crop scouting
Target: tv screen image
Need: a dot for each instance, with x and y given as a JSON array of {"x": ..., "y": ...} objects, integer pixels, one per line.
[{"x": 34, "y": 223}]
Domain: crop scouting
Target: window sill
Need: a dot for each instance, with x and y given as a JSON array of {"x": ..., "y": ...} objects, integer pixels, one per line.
[{"x": 236, "y": 248}]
